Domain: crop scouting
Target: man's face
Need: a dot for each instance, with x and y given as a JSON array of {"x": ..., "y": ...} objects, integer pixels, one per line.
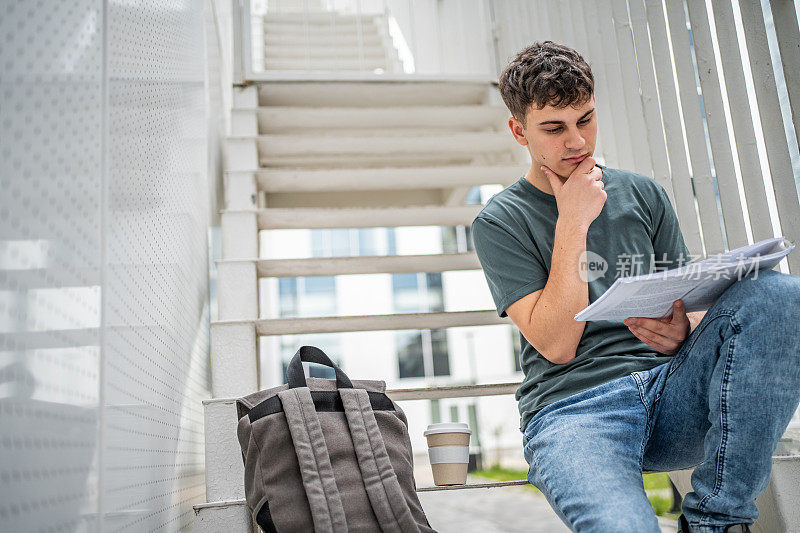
[{"x": 553, "y": 135}]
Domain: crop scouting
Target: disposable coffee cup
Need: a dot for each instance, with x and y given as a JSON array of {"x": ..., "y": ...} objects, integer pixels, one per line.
[{"x": 448, "y": 450}]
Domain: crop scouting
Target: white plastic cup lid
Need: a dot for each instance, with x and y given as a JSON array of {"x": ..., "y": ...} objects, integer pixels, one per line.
[{"x": 447, "y": 427}]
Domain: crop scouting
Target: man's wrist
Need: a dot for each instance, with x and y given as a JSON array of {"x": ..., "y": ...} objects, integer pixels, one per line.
[{"x": 570, "y": 227}]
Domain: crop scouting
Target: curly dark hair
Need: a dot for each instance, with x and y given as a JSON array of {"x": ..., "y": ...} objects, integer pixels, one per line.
[{"x": 545, "y": 73}]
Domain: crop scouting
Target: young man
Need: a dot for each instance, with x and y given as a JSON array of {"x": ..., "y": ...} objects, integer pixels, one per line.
[{"x": 601, "y": 401}]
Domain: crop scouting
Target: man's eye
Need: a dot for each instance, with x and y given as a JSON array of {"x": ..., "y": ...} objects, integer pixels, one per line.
[{"x": 582, "y": 123}]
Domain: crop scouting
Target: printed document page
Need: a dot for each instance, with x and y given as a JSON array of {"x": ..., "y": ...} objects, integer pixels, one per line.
[{"x": 698, "y": 284}]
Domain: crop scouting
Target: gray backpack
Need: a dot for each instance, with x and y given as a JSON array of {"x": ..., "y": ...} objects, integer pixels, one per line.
[{"x": 328, "y": 455}]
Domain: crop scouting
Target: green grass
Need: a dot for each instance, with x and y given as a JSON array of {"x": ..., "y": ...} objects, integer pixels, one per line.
[
  {"x": 656, "y": 485},
  {"x": 498, "y": 473}
]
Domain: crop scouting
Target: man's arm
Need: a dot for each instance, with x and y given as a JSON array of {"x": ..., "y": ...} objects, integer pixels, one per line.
[
  {"x": 666, "y": 335},
  {"x": 547, "y": 319}
]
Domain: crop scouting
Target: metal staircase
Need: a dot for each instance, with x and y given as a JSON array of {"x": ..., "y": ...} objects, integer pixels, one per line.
[
  {"x": 340, "y": 138},
  {"x": 298, "y": 39},
  {"x": 340, "y": 154}
]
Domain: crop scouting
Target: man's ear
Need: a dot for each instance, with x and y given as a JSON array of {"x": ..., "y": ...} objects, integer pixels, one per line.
[{"x": 518, "y": 131}]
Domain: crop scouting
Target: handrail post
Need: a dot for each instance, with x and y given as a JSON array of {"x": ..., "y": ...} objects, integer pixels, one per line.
[{"x": 238, "y": 64}]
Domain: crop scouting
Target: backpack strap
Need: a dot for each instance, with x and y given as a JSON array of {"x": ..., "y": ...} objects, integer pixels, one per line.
[
  {"x": 327, "y": 511},
  {"x": 380, "y": 481}
]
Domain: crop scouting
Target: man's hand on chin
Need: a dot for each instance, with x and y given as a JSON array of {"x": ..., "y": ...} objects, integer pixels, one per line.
[{"x": 666, "y": 335}]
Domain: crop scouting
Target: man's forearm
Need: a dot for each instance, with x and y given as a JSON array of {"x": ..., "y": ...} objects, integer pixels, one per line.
[{"x": 564, "y": 295}]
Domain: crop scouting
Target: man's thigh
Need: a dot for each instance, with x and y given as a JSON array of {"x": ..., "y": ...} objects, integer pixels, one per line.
[
  {"x": 677, "y": 397},
  {"x": 585, "y": 456},
  {"x": 724, "y": 400},
  {"x": 719, "y": 374}
]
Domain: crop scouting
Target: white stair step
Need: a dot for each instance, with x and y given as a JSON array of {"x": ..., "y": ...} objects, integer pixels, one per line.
[
  {"x": 338, "y": 266},
  {"x": 331, "y": 50},
  {"x": 453, "y": 391},
  {"x": 489, "y": 485},
  {"x": 368, "y": 25},
  {"x": 362, "y": 150},
  {"x": 298, "y": 30},
  {"x": 224, "y": 465},
  {"x": 371, "y": 161},
  {"x": 333, "y": 38},
  {"x": 386, "y": 179},
  {"x": 368, "y": 94},
  {"x": 432, "y": 118},
  {"x": 237, "y": 279},
  {"x": 281, "y": 29},
  {"x": 359, "y": 149},
  {"x": 322, "y": 18},
  {"x": 337, "y": 324},
  {"x": 310, "y": 218},
  {"x": 224, "y": 517},
  {"x": 234, "y": 516},
  {"x": 277, "y": 145},
  {"x": 369, "y": 63}
]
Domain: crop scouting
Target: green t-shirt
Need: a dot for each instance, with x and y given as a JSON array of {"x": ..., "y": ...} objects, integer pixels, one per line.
[{"x": 636, "y": 232}]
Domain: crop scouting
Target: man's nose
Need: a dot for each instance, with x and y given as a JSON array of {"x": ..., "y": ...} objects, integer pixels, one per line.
[{"x": 575, "y": 140}]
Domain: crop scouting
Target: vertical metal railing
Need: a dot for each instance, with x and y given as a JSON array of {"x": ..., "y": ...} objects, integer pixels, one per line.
[
  {"x": 651, "y": 109},
  {"x": 736, "y": 231},
  {"x": 673, "y": 126},
  {"x": 691, "y": 94},
  {"x": 745, "y": 145},
  {"x": 775, "y": 140}
]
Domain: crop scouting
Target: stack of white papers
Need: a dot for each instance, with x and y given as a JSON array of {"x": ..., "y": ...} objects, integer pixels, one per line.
[{"x": 698, "y": 284}]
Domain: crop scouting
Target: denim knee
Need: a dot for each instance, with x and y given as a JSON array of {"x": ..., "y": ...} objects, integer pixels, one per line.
[
  {"x": 764, "y": 292},
  {"x": 618, "y": 517}
]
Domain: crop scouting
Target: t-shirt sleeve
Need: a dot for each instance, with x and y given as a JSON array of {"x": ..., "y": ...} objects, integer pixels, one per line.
[
  {"x": 669, "y": 248},
  {"x": 511, "y": 270}
]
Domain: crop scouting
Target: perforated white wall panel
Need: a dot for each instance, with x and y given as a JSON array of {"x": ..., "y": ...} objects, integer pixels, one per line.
[{"x": 104, "y": 206}]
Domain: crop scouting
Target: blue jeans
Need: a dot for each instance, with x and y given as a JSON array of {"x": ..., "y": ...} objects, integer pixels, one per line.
[{"x": 722, "y": 403}]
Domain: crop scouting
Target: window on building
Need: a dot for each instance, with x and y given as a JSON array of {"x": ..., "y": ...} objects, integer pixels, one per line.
[
  {"x": 348, "y": 242},
  {"x": 441, "y": 359},
  {"x": 434, "y": 292},
  {"x": 417, "y": 293},
  {"x": 391, "y": 242},
  {"x": 457, "y": 239},
  {"x": 331, "y": 242},
  {"x": 370, "y": 241},
  {"x": 454, "y": 414},
  {"x": 410, "y": 356},
  {"x": 287, "y": 290},
  {"x": 436, "y": 411},
  {"x": 422, "y": 353},
  {"x": 311, "y": 296},
  {"x": 474, "y": 195}
]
